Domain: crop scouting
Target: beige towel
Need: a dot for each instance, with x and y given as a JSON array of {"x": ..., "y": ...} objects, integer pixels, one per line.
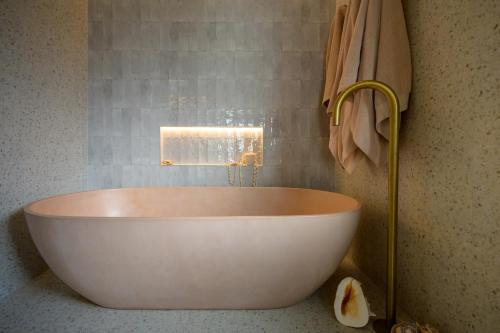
[{"x": 368, "y": 41}]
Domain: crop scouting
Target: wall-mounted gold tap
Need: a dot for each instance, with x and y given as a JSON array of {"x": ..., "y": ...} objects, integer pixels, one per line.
[
  {"x": 246, "y": 159},
  {"x": 392, "y": 211}
]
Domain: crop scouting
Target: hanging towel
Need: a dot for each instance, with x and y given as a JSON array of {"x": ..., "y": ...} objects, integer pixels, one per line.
[{"x": 368, "y": 41}]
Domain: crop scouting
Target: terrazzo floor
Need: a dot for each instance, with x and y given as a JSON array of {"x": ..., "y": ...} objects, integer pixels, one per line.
[{"x": 48, "y": 305}]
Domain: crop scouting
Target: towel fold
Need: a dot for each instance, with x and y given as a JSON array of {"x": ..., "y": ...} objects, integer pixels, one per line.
[{"x": 368, "y": 41}]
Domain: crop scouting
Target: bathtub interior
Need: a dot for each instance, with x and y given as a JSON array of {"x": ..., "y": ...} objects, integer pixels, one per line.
[{"x": 194, "y": 202}]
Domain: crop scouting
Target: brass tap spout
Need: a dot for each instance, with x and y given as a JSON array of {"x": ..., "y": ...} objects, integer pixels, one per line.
[{"x": 392, "y": 211}]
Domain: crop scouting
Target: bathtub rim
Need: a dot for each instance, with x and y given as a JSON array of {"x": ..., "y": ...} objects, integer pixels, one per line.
[{"x": 27, "y": 209}]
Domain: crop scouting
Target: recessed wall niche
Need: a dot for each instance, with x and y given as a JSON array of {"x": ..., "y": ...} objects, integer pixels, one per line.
[{"x": 211, "y": 145}]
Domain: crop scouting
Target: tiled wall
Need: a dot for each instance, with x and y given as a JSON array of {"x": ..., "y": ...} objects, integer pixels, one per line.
[
  {"x": 449, "y": 172},
  {"x": 159, "y": 63},
  {"x": 43, "y": 124}
]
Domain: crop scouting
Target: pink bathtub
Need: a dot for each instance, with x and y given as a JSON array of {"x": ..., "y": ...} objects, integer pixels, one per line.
[{"x": 194, "y": 248}]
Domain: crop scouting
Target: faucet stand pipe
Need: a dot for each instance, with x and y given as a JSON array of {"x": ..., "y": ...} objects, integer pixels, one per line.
[{"x": 392, "y": 209}]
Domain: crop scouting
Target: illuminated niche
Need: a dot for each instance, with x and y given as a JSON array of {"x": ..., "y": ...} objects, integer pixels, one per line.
[{"x": 211, "y": 145}]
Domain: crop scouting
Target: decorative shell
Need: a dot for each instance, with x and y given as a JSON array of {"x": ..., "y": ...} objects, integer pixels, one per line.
[{"x": 351, "y": 307}]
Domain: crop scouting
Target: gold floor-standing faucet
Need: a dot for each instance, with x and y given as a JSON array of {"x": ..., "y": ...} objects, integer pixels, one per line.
[{"x": 392, "y": 213}]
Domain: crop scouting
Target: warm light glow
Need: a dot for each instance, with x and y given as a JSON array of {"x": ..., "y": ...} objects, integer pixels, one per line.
[
  {"x": 199, "y": 145},
  {"x": 210, "y": 129}
]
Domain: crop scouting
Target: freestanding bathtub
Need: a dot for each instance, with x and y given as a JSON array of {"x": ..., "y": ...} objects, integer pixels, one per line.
[{"x": 194, "y": 248}]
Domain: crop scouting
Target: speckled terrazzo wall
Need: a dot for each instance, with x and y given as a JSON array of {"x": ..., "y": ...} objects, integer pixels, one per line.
[
  {"x": 449, "y": 227},
  {"x": 206, "y": 63},
  {"x": 43, "y": 101}
]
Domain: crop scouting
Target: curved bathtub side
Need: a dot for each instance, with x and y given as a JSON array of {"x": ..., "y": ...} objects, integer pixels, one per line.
[{"x": 225, "y": 263}]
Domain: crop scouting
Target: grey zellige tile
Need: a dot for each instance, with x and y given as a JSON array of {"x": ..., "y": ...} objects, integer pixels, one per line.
[
  {"x": 300, "y": 119},
  {"x": 95, "y": 64},
  {"x": 186, "y": 36},
  {"x": 93, "y": 180},
  {"x": 224, "y": 90},
  {"x": 225, "y": 64},
  {"x": 95, "y": 94},
  {"x": 154, "y": 152},
  {"x": 116, "y": 175},
  {"x": 126, "y": 93},
  {"x": 107, "y": 64},
  {"x": 100, "y": 94},
  {"x": 136, "y": 124},
  {"x": 269, "y": 176},
  {"x": 313, "y": 10},
  {"x": 292, "y": 37},
  {"x": 246, "y": 64},
  {"x": 173, "y": 95},
  {"x": 310, "y": 34},
  {"x": 324, "y": 11},
  {"x": 247, "y": 95},
  {"x": 264, "y": 92},
  {"x": 224, "y": 10},
  {"x": 94, "y": 12},
  {"x": 286, "y": 93},
  {"x": 272, "y": 151},
  {"x": 107, "y": 35},
  {"x": 245, "y": 36},
  {"x": 159, "y": 91},
  {"x": 95, "y": 122},
  {"x": 99, "y": 150},
  {"x": 188, "y": 10},
  {"x": 284, "y": 118},
  {"x": 225, "y": 36},
  {"x": 264, "y": 65},
  {"x": 146, "y": 118},
  {"x": 119, "y": 64},
  {"x": 113, "y": 122},
  {"x": 263, "y": 11},
  {"x": 146, "y": 93},
  {"x": 187, "y": 65},
  {"x": 150, "y": 35},
  {"x": 121, "y": 150},
  {"x": 134, "y": 92},
  {"x": 125, "y": 123},
  {"x": 324, "y": 32},
  {"x": 207, "y": 65},
  {"x": 278, "y": 36},
  {"x": 126, "y": 35},
  {"x": 188, "y": 101},
  {"x": 287, "y": 65},
  {"x": 319, "y": 123},
  {"x": 312, "y": 66},
  {"x": 206, "y": 35},
  {"x": 165, "y": 117},
  {"x": 150, "y": 10},
  {"x": 153, "y": 125},
  {"x": 126, "y": 10},
  {"x": 291, "y": 10},
  {"x": 140, "y": 150},
  {"x": 206, "y": 94},
  {"x": 264, "y": 36},
  {"x": 168, "y": 63},
  {"x": 243, "y": 11},
  {"x": 168, "y": 36},
  {"x": 131, "y": 176},
  {"x": 96, "y": 35},
  {"x": 310, "y": 93}
]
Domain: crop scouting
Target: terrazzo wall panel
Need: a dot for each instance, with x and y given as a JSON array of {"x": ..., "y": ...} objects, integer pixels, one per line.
[
  {"x": 206, "y": 63},
  {"x": 43, "y": 103},
  {"x": 450, "y": 172}
]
